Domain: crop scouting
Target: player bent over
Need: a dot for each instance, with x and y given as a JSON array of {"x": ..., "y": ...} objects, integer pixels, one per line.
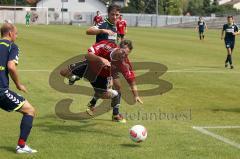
[
  {"x": 9, "y": 100},
  {"x": 103, "y": 61}
]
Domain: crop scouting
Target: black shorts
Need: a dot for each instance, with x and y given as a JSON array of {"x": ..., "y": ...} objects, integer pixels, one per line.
[
  {"x": 78, "y": 68},
  {"x": 201, "y": 31},
  {"x": 101, "y": 84},
  {"x": 229, "y": 44},
  {"x": 121, "y": 36},
  {"x": 10, "y": 101}
]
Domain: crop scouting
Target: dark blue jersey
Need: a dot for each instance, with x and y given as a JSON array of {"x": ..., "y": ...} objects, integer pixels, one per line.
[
  {"x": 201, "y": 25},
  {"x": 8, "y": 52},
  {"x": 229, "y": 30},
  {"x": 106, "y": 25}
]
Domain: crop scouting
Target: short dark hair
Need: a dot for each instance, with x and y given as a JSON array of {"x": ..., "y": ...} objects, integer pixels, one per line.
[
  {"x": 230, "y": 16},
  {"x": 113, "y": 7},
  {"x": 6, "y": 28},
  {"x": 126, "y": 42}
]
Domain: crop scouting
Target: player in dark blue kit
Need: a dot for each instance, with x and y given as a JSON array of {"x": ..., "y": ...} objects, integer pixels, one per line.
[
  {"x": 201, "y": 28},
  {"x": 106, "y": 30},
  {"x": 9, "y": 100},
  {"x": 231, "y": 30}
]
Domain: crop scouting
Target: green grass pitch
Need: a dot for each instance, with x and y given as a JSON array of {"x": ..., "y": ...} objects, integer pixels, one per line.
[{"x": 203, "y": 93}]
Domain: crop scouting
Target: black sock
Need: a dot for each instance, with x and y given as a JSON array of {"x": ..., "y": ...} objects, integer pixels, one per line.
[
  {"x": 25, "y": 129},
  {"x": 116, "y": 103},
  {"x": 227, "y": 59},
  {"x": 200, "y": 37},
  {"x": 94, "y": 100},
  {"x": 203, "y": 36},
  {"x": 230, "y": 59}
]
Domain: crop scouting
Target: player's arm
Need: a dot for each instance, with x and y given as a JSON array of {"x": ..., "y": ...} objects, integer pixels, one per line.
[
  {"x": 197, "y": 27},
  {"x": 130, "y": 77},
  {"x": 14, "y": 75},
  {"x": 92, "y": 57},
  {"x": 126, "y": 28},
  {"x": 95, "y": 31},
  {"x": 223, "y": 31},
  {"x": 236, "y": 31},
  {"x": 134, "y": 89},
  {"x": 206, "y": 26}
]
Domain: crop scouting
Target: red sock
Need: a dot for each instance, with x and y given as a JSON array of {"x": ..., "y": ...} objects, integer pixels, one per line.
[{"x": 21, "y": 143}]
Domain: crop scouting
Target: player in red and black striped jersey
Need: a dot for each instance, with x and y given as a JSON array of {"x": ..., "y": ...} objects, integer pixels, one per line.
[
  {"x": 104, "y": 61},
  {"x": 121, "y": 28},
  {"x": 97, "y": 19}
]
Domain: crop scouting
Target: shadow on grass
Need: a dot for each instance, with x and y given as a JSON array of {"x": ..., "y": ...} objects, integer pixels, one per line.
[
  {"x": 234, "y": 110},
  {"x": 8, "y": 148},
  {"x": 65, "y": 128},
  {"x": 131, "y": 145}
]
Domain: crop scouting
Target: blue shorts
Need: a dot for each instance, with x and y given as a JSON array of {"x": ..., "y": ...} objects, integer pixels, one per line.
[
  {"x": 229, "y": 44},
  {"x": 10, "y": 101}
]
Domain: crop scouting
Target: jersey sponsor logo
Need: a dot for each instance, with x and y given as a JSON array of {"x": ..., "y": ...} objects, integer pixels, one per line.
[
  {"x": 230, "y": 30},
  {"x": 112, "y": 37},
  {"x": 2, "y": 68}
]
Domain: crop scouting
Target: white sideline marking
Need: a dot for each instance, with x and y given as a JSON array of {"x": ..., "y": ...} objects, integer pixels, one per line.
[{"x": 221, "y": 138}]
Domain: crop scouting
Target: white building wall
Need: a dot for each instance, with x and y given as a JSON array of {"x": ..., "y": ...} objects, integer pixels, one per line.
[
  {"x": 74, "y": 5},
  {"x": 237, "y": 5},
  {"x": 220, "y": 2}
]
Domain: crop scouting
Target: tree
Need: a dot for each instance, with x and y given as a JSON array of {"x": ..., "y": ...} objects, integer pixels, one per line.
[
  {"x": 195, "y": 7},
  {"x": 170, "y": 7}
]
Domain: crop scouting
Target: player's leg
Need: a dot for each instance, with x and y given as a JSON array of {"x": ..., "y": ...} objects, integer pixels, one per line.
[
  {"x": 28, "y": 112},
  {"x": 74, "y": 72},
  {"x": 229, "y": 52},
  {"x": 116, "y": 102},
  {"x": 122, "y": 37},
  {"x": 200, "y": 35},
  {"x": 10, "y": 101},
  {"x": 100, "y": 88}
]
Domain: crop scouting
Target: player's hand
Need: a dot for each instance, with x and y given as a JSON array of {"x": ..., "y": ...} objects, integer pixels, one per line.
[
  {"x": 105, "y": 62},
  {"x": 138, "y": 99},
  {"x": 22, "y": 88}
]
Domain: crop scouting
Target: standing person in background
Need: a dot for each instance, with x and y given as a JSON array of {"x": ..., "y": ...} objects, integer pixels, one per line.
[
  {"x": 27, "y": 18},
  {"x": 97, "y": 19},
  {"x": 9, "y": 100},
  {"x": 121, "y": 28},
  {"x": 201, "y": 28},
  {"x": 230, "y": 29}
]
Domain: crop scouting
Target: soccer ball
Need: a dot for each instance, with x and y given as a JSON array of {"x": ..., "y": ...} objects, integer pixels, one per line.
[{"x": 138, "y": 133}]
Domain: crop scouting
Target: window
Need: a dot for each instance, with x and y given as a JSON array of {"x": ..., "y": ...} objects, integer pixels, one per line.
[
  {"x": 51, "y": 9},
  {"x": 64, "y": 9},
  {"x": 81, "y": 1}
]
